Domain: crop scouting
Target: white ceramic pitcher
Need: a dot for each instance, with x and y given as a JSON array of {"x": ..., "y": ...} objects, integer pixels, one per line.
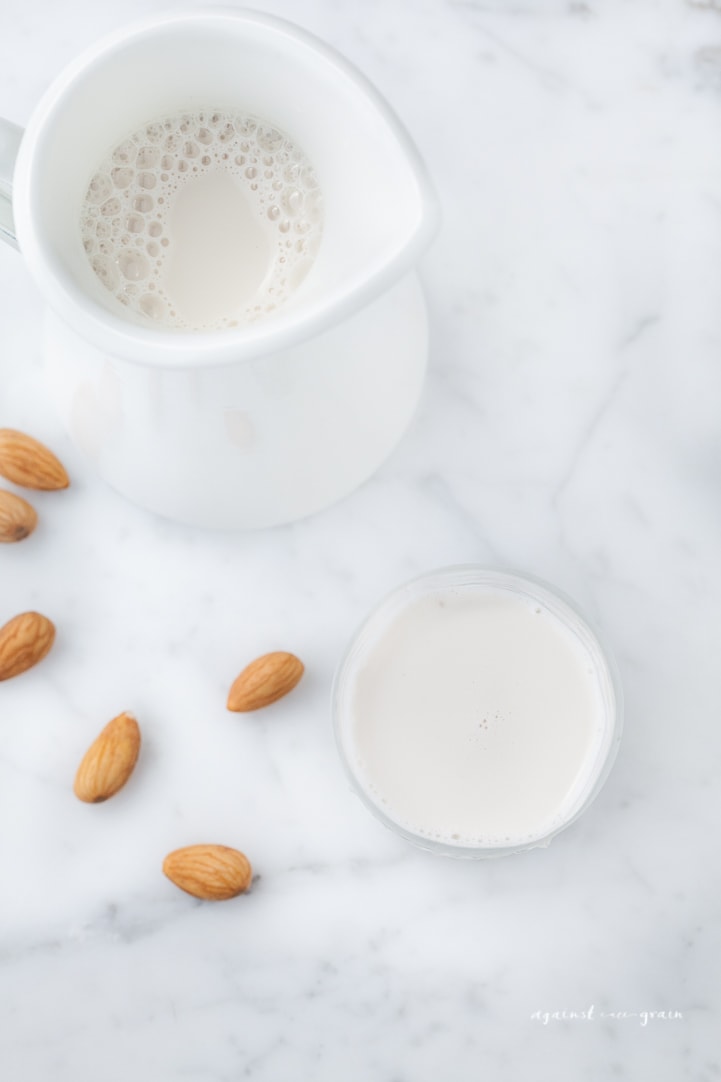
[{"x": 275, "y": 420}]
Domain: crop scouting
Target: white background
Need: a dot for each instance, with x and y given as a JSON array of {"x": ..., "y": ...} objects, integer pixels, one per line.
[{"x": 570, "y": 427}]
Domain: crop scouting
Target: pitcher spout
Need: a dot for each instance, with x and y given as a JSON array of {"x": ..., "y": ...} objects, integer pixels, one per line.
[{"x": 380, "y": 208}]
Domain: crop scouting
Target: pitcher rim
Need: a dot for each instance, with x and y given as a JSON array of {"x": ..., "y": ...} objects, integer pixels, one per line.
[{"x": 181, "y": 349}]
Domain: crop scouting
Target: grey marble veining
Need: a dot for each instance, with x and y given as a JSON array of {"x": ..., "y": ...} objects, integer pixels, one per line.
[{"x": 570, "y": 427}]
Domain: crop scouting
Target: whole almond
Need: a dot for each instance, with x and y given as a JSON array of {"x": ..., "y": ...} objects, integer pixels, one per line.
[
  {"x": 27, "y": 462},
  {"x": 17, "y": 517},
  {"x": 264, "y": 681},
  {"x": 24, "y": 641},
  {"x": 210, "y": 872},
  {"x": 109, "y": 761}
]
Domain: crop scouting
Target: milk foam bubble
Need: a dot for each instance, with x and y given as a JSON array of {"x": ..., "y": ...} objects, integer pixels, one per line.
[{"x": 202, "y": 221}]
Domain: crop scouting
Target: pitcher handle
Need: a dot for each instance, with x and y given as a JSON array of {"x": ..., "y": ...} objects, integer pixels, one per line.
[{"x": 10, "y": 136}]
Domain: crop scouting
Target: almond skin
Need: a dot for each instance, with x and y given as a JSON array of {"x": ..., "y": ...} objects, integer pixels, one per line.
[
  {"x": 264, "y": 681},
  {"x": 27, "y": 462},
  {"x": 18, "y": 518},
  {"x": 109, "y": 761},
  {"x": 211, "y": 872},
  {"x": 24, "y": 641}
]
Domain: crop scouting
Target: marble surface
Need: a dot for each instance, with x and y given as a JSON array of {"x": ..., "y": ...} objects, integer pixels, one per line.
[{"x": 570, "y": 427}]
